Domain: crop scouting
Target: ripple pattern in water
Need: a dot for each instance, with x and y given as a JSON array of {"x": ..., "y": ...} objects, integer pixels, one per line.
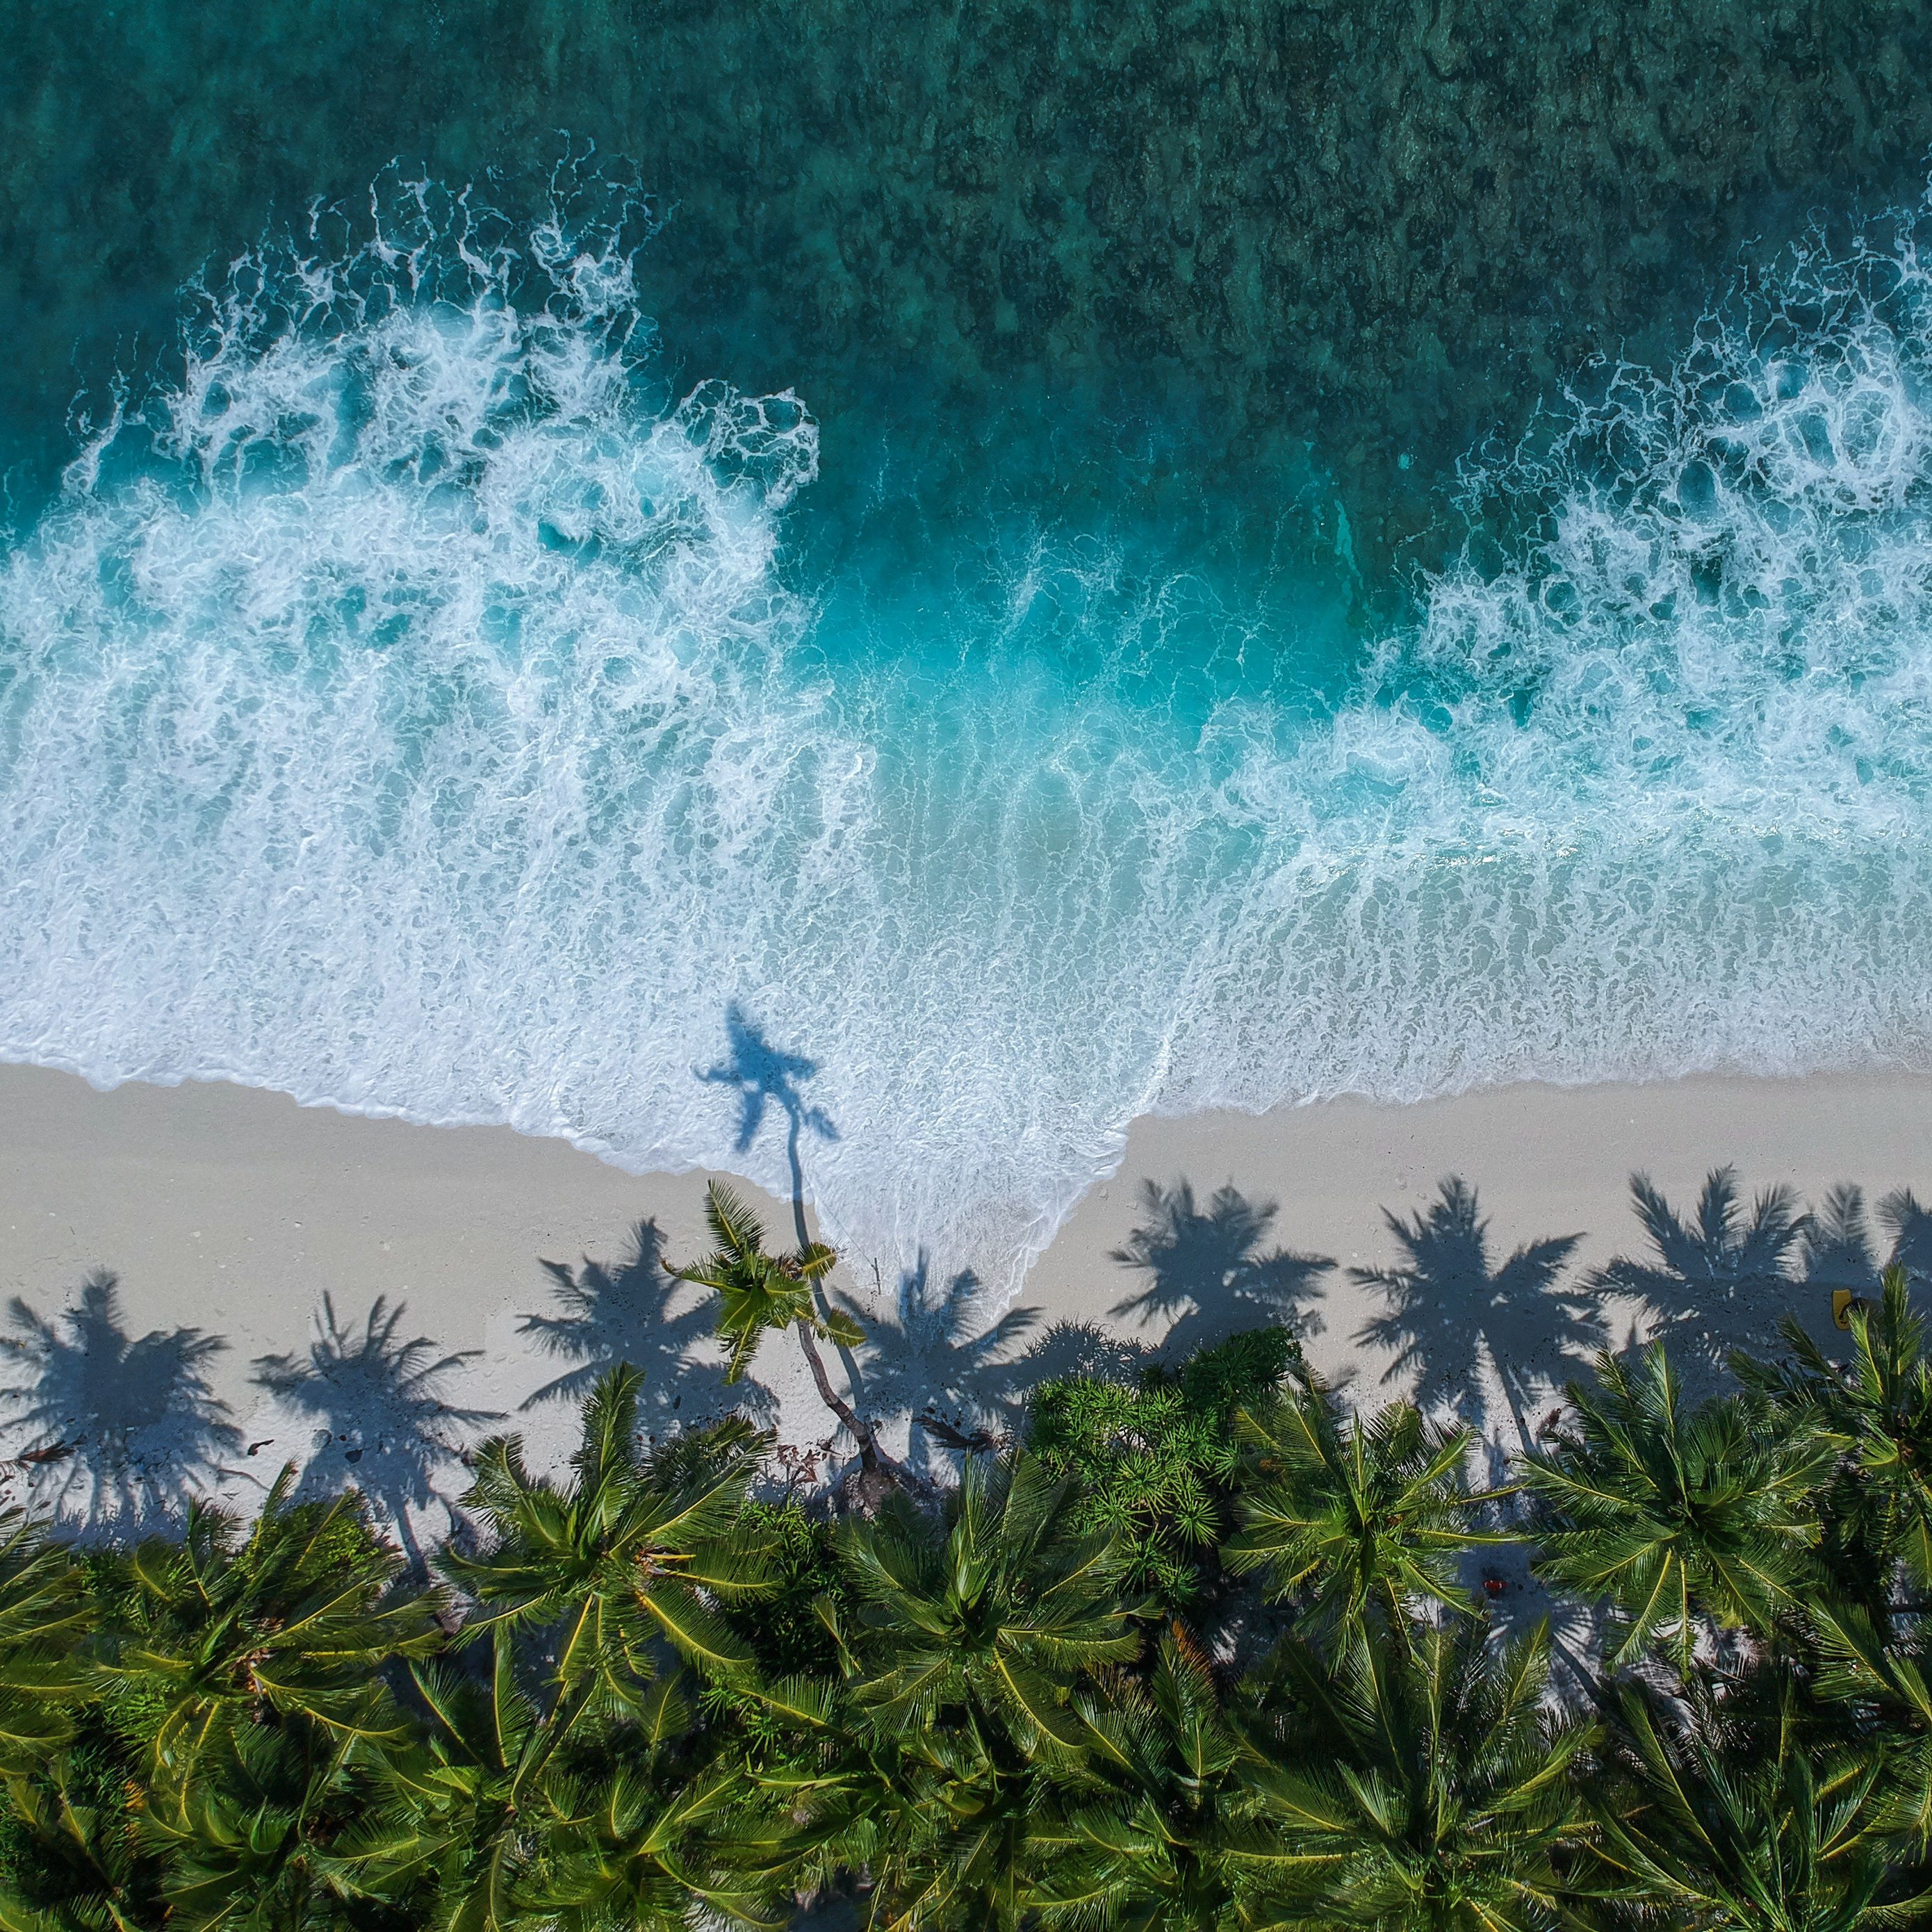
[{"x": 417, "y": 710}]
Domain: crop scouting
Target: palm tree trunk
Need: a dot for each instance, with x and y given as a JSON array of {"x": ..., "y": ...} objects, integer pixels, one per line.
[{"x": 872, "y": 1459}]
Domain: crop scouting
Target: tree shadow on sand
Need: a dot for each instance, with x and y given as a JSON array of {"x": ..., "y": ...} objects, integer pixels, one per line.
[
  {"x": 1838, "y": 1248},
  {"x": 937, "y": 1361},
  {"x": 114, "y": 1433},
  {"x": 1449, "y": 1311},
  {"x": 606, "y": 1314},
  {"x": 1722, "y": 1277},
  {"x": 381, "y": 1420},
  {"x": 1207, "y": 1275},
  {"x": 766, "y": 1076}
]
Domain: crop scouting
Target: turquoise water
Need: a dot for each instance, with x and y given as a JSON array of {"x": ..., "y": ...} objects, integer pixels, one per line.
[{"x": 449, "y": 661}]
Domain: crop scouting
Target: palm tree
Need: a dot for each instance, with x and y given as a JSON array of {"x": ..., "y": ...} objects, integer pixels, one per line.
[
  {"x": 1767, "y": 1831},
  {"x": 1417, "y": 1788},
  {"x": 1358, "y": 1513},
  {"x": 962, "y": 1658},
  {"x": 633, "y": 1550},
  {"x": 1675, "y": 1513},
  {"x": 293, "y": 1618},
  {"x": 44, "y": 1617},
  {"x": 470, "y": 1811},
  {"x": 1165, "y": 1846},
  {"x": 1725, "y": 1270},
  {"x": 1876, "y": 1411},
  {"x": 998, "y": 1616},
  {"x": 759, "y": 1291}
]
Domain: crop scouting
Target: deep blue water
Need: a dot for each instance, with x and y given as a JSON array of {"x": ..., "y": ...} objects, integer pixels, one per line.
[{"x": 450, "y": 662}]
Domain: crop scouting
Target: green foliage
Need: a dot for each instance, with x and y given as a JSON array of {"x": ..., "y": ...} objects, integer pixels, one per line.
[
  {"x": 1352, "y": 1516},
  {"x": 656, "y": 1700},
  {"x": 1155, "y": 1465},
  {"x": 1677, "y": 1515},
  {"x": 757, "y": 1291},
  {"x": 781, "y": 1623}
]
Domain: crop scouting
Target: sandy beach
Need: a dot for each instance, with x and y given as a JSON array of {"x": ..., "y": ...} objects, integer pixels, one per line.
[{"x": 509, "y": 1269}]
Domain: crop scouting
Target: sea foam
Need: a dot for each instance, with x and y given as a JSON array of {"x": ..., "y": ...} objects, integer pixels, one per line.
[{"x": 414, "y": 708}]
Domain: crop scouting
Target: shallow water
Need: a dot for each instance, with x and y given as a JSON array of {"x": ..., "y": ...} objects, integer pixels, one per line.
[{"x": 962, "y": 590}]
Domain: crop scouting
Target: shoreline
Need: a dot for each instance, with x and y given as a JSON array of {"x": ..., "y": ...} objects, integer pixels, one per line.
[{"x": 233, "y": 1211}]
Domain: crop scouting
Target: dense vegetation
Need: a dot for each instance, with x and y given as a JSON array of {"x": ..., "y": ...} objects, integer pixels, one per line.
[{"x": 1209, "y": 1651}]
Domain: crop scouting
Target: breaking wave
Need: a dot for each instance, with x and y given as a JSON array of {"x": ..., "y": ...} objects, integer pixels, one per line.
[{"x": 416, "y": 708}]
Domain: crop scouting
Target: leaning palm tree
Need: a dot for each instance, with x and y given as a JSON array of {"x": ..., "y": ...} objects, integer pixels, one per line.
[
  {"x": 758, "y": 1292},
  {"x": 1876, "y": 1411},
  {"x": 1677, "y": 1515},
  {"x": 631, "y": 1551},
  {"x": 1426, "y": 1789},
  {"x": 1357, "y": 1515},
  {"x": 1770, "y": 1832}
]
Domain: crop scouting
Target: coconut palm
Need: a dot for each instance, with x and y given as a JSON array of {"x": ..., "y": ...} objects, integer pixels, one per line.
[
  {"x": 649, "y": 1849},
  {"x": 1417, "y": 1788},
  {"x": 1165, "y": 1844},
  {"x": 1676, "y": 1513},
  {"x": 632, "y": 1551},
  {"x": 997, "y": 1616},
  {"x": 1877, "y": 1410},
  {"x": 298, "y": 1618},
  {"x": 758, "y": 1292},
  {"x": 44, "y": 1617},
  {"x": 1759, "y": 1828},
  {"x": 1356, "y": 1514},
  {"x": 471, "y": 1809}
]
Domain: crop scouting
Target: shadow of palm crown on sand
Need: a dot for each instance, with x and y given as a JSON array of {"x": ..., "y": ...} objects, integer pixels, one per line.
[{"x": 112, "y": 1433}]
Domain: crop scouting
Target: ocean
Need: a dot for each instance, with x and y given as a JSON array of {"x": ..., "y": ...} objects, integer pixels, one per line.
[{"x": 900, "y": 589}]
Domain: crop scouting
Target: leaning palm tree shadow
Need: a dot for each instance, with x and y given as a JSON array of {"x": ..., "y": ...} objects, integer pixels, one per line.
[
  {"x": 382, "y": 1420},
  {"x": 1449, "y": 1310},
  {"x": 605, "y": 1314},
  {"x": 116, "y": 1432},
  {"x": 937, "y": 1361},
  {"x": 1207, "y": 1273},
  {"x": 1723, "y": 1279},
  {"x": 765, "y": 1076}
]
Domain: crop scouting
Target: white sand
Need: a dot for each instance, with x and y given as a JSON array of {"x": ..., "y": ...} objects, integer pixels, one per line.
[{"x": 233, "y": 1212}]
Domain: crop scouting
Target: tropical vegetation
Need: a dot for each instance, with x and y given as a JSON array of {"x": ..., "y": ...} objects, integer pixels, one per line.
[{"x": 1204, "y": 1650}]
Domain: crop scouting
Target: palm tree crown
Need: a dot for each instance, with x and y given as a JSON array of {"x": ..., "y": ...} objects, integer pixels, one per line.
[{"x": 1674, "y": 1513}]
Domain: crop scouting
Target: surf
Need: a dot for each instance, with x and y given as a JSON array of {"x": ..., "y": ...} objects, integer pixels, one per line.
[{"x": 428, "y": 702}]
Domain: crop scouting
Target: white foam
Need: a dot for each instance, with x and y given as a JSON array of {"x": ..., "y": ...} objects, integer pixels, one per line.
[{"x": 414, "y": 717}]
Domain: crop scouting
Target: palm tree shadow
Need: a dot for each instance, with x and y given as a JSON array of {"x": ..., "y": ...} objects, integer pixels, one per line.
[
  {"x": 1207, "y": 1275},
  {"x": 1448, "y": 1311},
  {"x": 1722, "y": 1279},
  {"x": 381, "y": 1421},
  {"x": 1078, "y": 1348},
  {"x": 118, "y": 1432},
  {"x": 765, "y": 1076},
  {"x": 607, "y": 1314},
  {"x": 937, "y": 1361}
]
